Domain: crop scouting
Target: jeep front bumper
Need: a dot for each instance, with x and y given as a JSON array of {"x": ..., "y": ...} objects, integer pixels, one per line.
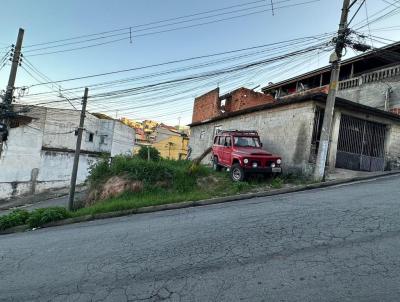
[{"x": 263, "y": 170}]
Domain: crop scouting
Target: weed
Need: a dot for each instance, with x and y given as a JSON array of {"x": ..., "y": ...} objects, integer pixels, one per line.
[
  {"x": 16, "y": 217},
  {"x": 277, "y": 183},
  {"x": 40, "y": 217}
]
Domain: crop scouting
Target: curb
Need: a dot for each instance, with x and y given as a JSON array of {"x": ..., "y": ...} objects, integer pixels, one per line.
[
  {"x": 22, "y": 201},
  {"x": 204, "y": 202}
]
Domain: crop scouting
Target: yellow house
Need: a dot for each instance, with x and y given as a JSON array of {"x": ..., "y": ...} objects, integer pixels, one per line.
[
  {"x": 170, "y": 143},
  {"x": 173, "y": 147}
]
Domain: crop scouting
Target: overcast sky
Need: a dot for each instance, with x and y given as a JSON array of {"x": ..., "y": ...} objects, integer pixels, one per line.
[{"x": 49, "y": 20}]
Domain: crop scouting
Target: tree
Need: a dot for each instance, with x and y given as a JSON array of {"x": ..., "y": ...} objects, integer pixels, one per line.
[{"x": 147, "y": 151}]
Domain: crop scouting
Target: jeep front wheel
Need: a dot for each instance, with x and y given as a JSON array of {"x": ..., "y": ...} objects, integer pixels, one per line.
[
  {"x": 215, "y": 165},
  {"x": 237, "y": 173}
]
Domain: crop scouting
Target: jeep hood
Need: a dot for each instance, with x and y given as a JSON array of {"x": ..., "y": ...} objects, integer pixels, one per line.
[{"x": 252, "y": 151}]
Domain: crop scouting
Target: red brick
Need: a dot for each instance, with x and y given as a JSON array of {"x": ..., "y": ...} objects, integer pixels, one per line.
[
  {"x": 243, "y": 98},
  {"x": 206, "y": 106},
  {"x": 209, "y": 106}
]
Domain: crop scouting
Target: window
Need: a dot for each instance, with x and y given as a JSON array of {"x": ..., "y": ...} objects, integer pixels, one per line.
[
  {"x": 246, "y": 141},
  {"x": 216, "y": 140},
  {"x": 217, "y": 129},
  {"x": 228, "y": 142},
  {"x": 103, "y": 139},
  {"x": 202, "y": 134},
  {"x": 89, "y": 137}
]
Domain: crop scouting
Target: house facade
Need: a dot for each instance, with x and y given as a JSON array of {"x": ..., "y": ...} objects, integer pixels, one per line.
[
  {"x": 371, "y": 79},
  {"x": 363, "y": 138},
  {"x": 39, "y": 152},
  {"x": 170, "y": 142}
]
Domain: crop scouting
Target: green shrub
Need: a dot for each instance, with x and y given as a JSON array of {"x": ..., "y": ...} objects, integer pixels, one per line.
[
  {"x": 16, "y": 217},
  {"x": 99, "y": 170},
  {"x": 40, "y": 217},
  {"x": 178, "y": 173},
  {"x": 277, "y": 183},
  {"x": 144, "y": 153}
]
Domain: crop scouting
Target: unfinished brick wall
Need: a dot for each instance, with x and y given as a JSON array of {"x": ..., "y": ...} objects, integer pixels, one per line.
[
  {"x": 206, "y": 106},
  {"x": 209, "y": 106},
  {"x": 243, "y": 98}
]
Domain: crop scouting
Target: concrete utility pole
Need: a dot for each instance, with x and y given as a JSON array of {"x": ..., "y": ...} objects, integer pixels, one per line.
[
  {"x": 335, "y": 60},
  {"x": 77, "y": 152},
  {"x": 8, "y": 97}
]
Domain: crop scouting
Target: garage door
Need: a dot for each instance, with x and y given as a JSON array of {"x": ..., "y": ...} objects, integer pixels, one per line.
[{"x": 361, "y": 145}]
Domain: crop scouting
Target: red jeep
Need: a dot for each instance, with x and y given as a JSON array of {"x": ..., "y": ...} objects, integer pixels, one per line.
[{"x": 241, "y": 153}]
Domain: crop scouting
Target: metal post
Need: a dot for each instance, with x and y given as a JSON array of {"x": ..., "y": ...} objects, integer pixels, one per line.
[
  {"x": 8, "y": 97},
  {"x": 319, "y": 172},
  {"x": 77, "y": 152}
]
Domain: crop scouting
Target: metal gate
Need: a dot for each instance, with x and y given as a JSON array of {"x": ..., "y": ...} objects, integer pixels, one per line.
[{"x": 361, "y": 145}]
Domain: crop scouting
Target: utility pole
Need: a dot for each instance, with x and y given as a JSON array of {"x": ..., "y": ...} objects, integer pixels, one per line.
[
  {"x": 77, "y": 152},
  {"x": 6, "y": 106},
  {"x": 335, "y": 60}
]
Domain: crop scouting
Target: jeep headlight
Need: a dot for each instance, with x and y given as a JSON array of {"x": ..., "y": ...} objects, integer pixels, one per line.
[
  {"x": 273, "y": 165},
  {"x": 246, "y": 161},
  {"x": 279, "y": 161}
]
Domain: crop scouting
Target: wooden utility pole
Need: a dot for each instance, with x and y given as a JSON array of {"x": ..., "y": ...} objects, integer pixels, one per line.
[
  {"x": 6, "y": 106},
  {"x": 77, "y": 152},
  {"x": 335, "y": 60}
]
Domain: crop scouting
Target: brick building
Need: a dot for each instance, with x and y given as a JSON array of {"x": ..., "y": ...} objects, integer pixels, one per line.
[
  {"x": 363, "y": 138},
  {"x": 211, "y": 104}
]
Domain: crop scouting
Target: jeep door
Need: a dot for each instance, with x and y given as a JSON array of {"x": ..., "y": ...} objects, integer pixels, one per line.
[
  {"x": 227, "y": 151},
  {"x": 217, "y": 148}
]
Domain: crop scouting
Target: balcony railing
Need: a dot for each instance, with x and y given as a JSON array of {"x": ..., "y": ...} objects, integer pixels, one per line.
[{"x": 370, "y": 77}]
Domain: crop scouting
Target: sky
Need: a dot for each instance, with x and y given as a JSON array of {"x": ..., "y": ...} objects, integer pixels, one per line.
[{"x": 49, "y": 20}]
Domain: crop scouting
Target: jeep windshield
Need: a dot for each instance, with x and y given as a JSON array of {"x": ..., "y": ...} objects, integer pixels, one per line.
[{"x": 246, "y": 141}]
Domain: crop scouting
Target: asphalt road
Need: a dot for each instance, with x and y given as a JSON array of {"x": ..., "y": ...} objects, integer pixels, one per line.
[{"x": 335, "y": 244}]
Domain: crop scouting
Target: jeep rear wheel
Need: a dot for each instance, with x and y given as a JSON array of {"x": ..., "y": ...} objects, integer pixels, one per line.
[
  {"x": 237, "y": 173},
  {"x": 215, "y": 165}
]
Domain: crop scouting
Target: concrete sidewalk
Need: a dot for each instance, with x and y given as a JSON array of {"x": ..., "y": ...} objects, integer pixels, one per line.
[{"x": 55, "y": 198}]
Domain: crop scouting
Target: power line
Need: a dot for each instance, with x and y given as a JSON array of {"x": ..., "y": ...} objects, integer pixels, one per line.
[
  {"x": 174, "y": 29},
  {"x": 141, "y": 25},
  {"x": 378, "y": 16},
  {"x": 129, "y": 31},
  {"x": 174, "y": 61},
  {"x": 199, "y": 76},
  {"x": 355, "y": 14}
]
